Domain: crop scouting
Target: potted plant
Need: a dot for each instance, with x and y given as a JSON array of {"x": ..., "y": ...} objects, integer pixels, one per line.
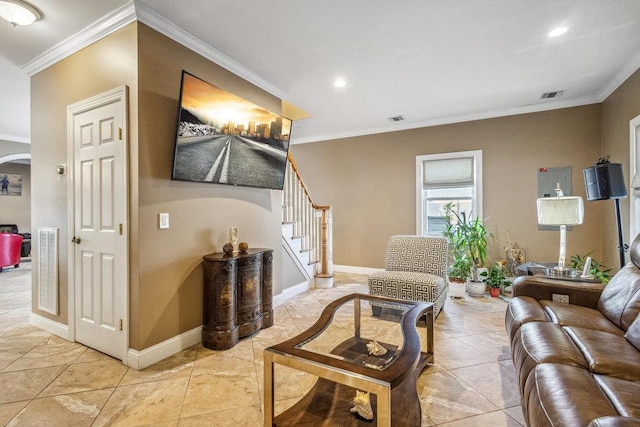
[
  {"x": 459, "y": 272},
  {"x": 469, "y": 236},
  {"x": 495, "y": 277}
]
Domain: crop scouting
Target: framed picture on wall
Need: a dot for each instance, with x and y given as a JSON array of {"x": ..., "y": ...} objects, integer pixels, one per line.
[{"x": 10, "y": 184}]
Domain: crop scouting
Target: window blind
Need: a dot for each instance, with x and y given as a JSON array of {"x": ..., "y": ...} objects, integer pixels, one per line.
[{"x": 448, "y": 173}]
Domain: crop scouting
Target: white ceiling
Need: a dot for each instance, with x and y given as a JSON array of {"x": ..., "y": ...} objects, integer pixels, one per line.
[{"x": 431, "y": 61}]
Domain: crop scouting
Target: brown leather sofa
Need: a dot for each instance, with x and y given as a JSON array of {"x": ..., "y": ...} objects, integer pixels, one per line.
[{"x": 576, "y": 348}]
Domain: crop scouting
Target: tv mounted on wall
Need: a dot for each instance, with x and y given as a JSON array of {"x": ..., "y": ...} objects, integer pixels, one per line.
[{"x": 224, "y": 139}]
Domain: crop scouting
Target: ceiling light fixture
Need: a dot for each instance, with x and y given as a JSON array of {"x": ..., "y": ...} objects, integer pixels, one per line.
[
  {"x": 18, "y": 12},
  {"x": 340, "y": 83},
  {"x": 557, "y": 31}
]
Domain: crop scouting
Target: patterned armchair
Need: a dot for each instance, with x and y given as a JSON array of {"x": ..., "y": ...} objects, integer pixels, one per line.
[{"x": 415, "y": 270}]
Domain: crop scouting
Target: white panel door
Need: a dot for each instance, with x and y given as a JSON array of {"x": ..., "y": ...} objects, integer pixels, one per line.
[{"x": 100, "y": 244}]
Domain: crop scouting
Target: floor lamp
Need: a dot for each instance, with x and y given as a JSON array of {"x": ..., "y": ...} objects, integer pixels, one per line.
[
  {"x": 561, "y": 211},
  {"x": 604, "y": 181}
]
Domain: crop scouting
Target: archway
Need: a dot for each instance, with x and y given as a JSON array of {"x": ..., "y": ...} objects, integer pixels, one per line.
[{"x": 12, "y": 157}]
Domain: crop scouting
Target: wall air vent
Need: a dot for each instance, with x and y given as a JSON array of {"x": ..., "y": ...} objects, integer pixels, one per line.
[
  {"x": 555, "y": 94},
  {"x": 396, "y": 118},
  {"x": 48, "y": 270}
]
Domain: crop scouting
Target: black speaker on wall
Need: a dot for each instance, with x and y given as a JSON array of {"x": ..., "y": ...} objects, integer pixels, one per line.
[{"x": 604, "y": 181}]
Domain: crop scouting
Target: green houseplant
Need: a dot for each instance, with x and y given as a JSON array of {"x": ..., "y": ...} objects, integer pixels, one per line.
[
  {"x": 460, "y": 268},
  {"x": 466, "y": 235},
  {"x": 459, "y": 272},
  {"x": 598, "y": 270},
  {"x": 495, "y": 277}
]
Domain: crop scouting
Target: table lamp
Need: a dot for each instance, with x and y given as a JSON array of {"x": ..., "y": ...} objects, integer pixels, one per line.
[{"x": 560, "y": 211}]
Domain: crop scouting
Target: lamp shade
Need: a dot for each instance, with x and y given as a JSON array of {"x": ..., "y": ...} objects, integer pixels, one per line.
[
  {"x": 560, "y": 211},
  {"x": 18, "y": 12}
]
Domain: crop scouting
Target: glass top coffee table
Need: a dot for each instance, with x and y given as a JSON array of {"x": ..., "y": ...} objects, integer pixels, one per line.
[{"x": 360, "y": 342}]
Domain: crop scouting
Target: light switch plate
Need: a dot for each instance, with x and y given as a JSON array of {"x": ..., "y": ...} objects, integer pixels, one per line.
[{"x": 163, "y": 221}]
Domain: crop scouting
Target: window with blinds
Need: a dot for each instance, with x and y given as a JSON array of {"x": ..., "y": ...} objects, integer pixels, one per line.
[{"x": 447, "y": 178}]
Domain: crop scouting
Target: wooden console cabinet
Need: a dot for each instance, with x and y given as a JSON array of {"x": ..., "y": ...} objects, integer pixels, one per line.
[{"x": 238, "y": 299}]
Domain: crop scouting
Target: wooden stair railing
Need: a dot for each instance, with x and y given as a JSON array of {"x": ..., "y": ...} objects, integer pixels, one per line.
[{"x": 312, "y": 223}]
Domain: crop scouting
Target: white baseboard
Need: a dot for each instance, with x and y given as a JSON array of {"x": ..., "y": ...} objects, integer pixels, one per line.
[
  {"x": 51, "y": 326},
  {"x": 147, "y": 357},
  {"x": 291, "y": 292},
  {"x": 355, "y": 270}
]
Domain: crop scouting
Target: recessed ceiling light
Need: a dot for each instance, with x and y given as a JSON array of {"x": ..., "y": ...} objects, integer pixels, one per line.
[
  {"x": 340, "y": 83},
  {"x": 18, "y": 12},
  {"x": 557, "y": 31}
]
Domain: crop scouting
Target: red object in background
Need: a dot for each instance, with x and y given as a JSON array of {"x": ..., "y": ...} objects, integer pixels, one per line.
[
  {"x": 543, "y": 169},
  {"x": 10, "y": 250},
  {"x": 495, "y": 292}
]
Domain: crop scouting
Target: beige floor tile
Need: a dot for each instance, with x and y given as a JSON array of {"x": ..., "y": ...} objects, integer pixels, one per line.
[
  {"x": 515, "y": 412},
  {"x": 446, "y": 398},
  {"x": 77, "y": 409},
  {"x": 10, "y": 410},
  {"x": 221, "y": 391},
  {"x": 458, "y": 326},
  {"x": 26, "y": 384},
  {"x": 87, "y": 376},
  {"x": 207, "y": 358},
  {"x": 250, "y": 416},
  {"x": 496, "y": 381},
  {"x": 468, "y": 384},
  {"x": 177, "y": 366},
  {"x": 146, "y": 403},
  {"x": 455, "y": 353},
  {"x": 19, "y": 342},
  {"x": 494, "y": 345},
  {"x": 92, "y": 355},
  {"x": 493, "y": 419},
  {"x": 53, "y": 351},
  {"x": 493, "y": 321}
]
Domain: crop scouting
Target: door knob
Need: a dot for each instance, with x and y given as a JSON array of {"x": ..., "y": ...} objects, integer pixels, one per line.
[{"x": 76, "y": 240}]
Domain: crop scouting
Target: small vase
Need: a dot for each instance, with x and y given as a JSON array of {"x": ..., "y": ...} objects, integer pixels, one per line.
[{"x": 495, "y": 292}]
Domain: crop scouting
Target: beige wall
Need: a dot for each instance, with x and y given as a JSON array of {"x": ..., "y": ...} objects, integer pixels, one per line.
[
  {"x": 617, "y": 110},
  {"x": 165, "y": 265},
  {"x": 17, "y": 209},
  {"x": 102, "y": 66},
  {"x": 167, "y": 285},
  {"x": 370, "y": 180}
]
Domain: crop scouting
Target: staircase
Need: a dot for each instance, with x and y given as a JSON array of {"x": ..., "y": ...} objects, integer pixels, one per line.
[{"x": 306, "y": 230}]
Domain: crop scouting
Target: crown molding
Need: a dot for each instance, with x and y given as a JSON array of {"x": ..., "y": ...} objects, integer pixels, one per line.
[
  {"x": 169, "y": 29},
  {"x": 83, "y": 38},
  {"x": 535, "y": 108},
  {"x": 134, "y": 11},
  {"x": 632, "y": 66}
]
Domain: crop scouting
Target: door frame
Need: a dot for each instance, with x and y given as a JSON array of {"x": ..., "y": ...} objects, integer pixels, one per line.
[
  {"x": 118, "y": 94},
  {"x": 634, "y": 174}
]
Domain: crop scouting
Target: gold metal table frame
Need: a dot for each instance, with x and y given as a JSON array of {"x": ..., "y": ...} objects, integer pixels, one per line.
[{"x": 393, "y": 381}]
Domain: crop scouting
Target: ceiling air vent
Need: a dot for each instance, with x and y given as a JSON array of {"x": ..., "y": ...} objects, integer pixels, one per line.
[
  {"x": 396, "y": 118},
  {"x": 555, "y": 94}
]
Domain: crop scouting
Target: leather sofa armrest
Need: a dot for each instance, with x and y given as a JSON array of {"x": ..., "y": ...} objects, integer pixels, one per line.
[{"x": 585, "y": 294}]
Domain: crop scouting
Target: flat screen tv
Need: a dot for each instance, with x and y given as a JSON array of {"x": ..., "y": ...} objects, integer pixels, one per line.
[{"x": 224, "y": 139}]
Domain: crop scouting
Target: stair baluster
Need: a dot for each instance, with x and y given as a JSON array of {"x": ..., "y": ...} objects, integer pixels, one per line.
[{"x": 312, "y": 223}]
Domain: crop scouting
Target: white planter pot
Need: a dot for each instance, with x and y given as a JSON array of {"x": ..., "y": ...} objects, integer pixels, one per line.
[
  {"x": 457, "y": 289},
  {"x": 475, "y": 289}
]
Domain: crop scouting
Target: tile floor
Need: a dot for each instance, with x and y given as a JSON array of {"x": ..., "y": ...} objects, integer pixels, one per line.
[{"x": 47, "y": 381}]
